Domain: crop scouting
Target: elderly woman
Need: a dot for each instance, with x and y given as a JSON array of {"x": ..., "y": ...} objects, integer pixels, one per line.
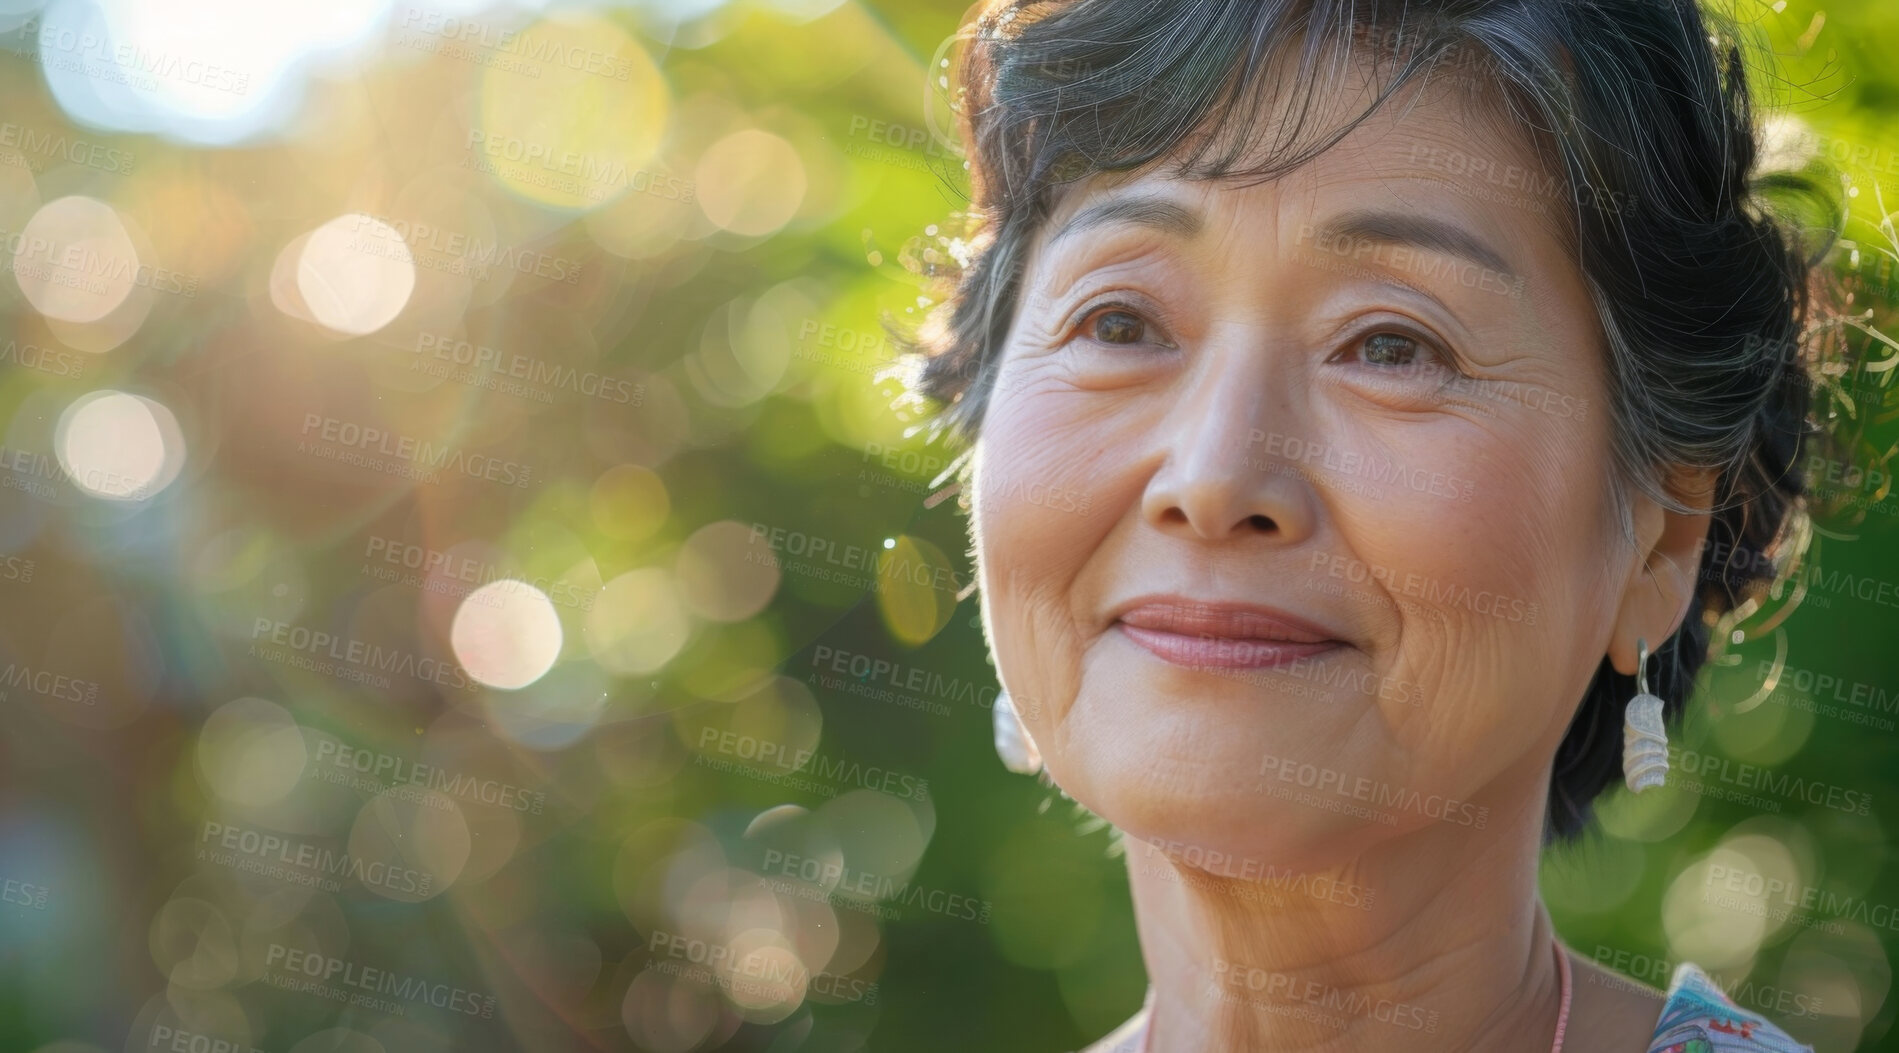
[{"x": 1431, "y": 379}]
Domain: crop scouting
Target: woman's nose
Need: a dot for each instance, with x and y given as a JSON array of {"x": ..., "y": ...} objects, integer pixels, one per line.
[{"x": 1216, "y": 479}]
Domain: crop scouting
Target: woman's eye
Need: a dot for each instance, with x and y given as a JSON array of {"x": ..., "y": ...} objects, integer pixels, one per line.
[
  {"x": 1116, "y": 326},
  {"x": 1399, "y": 366},
  {"x": 1400, "y": 356},
  {"x": 1391, "y": 349}
]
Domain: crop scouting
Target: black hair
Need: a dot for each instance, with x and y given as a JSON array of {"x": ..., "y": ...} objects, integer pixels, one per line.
[{"x": 1641, "y": 106}]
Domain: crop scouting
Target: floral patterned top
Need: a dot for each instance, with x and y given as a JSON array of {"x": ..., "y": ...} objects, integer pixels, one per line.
[{"x": 1699, "y": 1018}]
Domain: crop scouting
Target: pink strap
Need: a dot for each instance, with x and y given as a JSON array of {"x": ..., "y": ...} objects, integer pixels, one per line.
[{"x": 1562, "y": 1016}]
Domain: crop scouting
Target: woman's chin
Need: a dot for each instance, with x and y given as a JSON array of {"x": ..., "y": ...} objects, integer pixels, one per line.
[{"x": 1197, "y": 818}]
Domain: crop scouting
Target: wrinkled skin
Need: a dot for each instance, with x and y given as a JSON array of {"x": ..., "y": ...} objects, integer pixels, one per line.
[{"x": 1453, "y": 532}]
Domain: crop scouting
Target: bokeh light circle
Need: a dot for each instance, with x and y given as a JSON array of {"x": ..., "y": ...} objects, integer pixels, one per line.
[
  {"x": 119, "y": 446},
  {"x": 638, "y": 622},
  {"x": 715, "y": 579},
  {"x": 74, "y": 260},
  {"x": 194, "y": 944},
  {"x": 355, "y": 274},
  {"x": 668, "y": 1014},
  {"x": 251, "y": 751},
  {"x": 577, "y": 124},
  {"x": 506, "y": 634},
  {"x": 751, "y": 182},
  {"x": 413, "y": 846},
  {"x": 629, "y": 502}
]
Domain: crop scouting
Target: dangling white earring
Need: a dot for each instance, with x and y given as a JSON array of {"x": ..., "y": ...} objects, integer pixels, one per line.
[
  {"x": 1013, "y": 743},
  {"x": 1644, "y": 742}
]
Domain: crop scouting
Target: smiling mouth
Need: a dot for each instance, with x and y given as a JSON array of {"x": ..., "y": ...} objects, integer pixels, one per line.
[{"x": 1222, "y": 636}]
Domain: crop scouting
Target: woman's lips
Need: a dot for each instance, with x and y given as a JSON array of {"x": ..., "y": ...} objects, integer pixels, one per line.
[{"x": 1222, "y": 636}]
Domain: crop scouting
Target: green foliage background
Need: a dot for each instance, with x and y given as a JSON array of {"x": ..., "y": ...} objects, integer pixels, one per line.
[{"x": 106, "y": 817}]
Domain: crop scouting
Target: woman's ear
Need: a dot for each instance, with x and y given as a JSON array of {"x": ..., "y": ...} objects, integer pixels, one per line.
[{"x": 1664, "y": 578}]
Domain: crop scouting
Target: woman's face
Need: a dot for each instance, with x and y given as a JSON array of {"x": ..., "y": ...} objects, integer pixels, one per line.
[{"x": 1292, "y": 501}]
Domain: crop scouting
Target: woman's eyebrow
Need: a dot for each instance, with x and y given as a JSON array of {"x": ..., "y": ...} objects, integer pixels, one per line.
[
  {"x": 1146, "y": 211},
  {"x": 1424, "y": 232}
]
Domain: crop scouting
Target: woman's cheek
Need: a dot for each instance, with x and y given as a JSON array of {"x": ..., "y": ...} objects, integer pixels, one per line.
[
  {"x": 1044, "y": 475},
  {"x": 1039, "y": 516},
  {"x": 1478, "y": 584}
]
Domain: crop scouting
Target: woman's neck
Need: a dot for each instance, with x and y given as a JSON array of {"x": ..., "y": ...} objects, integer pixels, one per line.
[{"x": 1431, "y": 940}]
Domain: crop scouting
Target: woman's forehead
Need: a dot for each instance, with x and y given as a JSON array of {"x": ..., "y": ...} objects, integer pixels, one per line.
[{"x": 1429, "y": 155}]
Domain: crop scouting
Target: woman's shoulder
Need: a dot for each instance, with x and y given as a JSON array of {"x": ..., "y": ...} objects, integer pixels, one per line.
[{"x": 1699, "y": 1017}]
